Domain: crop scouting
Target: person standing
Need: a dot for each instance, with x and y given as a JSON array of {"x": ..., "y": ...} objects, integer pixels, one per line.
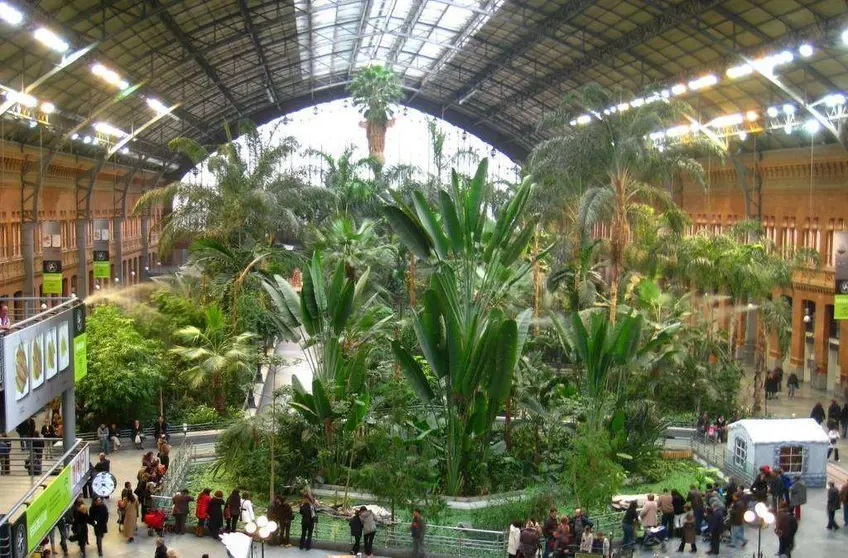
[
  {"x": 48, "y": 432},
  {"x": 286, "y": 518},
  {"x": 5, "y": 450},
  {"x": 417, "y": 529},
  {"x": 737, "y": 522},
  {"x": 548, "y": 530},
  {"x": 843, "y": 499},
  {"x": 247, "y": 514},
  {"x": 792, "y": 384},
  {"x": 201, "y": 510},
  {"x": 355, "y": 524},
  {"x": 99, "y": 517},
  {"x": 678, "y": 504},
  {"x": 697, "y": 501},
  {"x": 161, "y": 430},
  {"x": 688, "y": 529},
  {"x": 834, "y": 411},
  {"x": 818, "y": 413},
  {"x": 128, "y": 527},
  {"x": 716, "y": 523},
  {"x": 628, "y": 525},
  {"x": 307, "y": 524},
  {"x": 776, "y": 487},
  {"x": 231, "y": 513},
  {"x": 161, "y": 549},
  {"x": 103, "y": 437},
  {"x": 832, "y": 505},
  {"x": 785, "y": 530},
  {"x": 80, "y": 525},
  {"x": 369, "y": 529},
  {"x": 648, "y": 515},
  {"x": 181, "y": 500},
  {"x": 587, "y": 539},
  {"x": 137, "y": 434},
  {"x": 528, "y": 543},
  {"x": 833, "y": 437},
  {"x": 215, "y": 509},
  {"x": 514, "y": 539},
  {"x": 797, "y": 496}
]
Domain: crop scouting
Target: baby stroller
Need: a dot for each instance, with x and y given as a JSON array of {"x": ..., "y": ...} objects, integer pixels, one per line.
[
  {"x": 155, "y": 521},
  {"x": 725, "y": 532},
  {"x": 654, "y": 536}
]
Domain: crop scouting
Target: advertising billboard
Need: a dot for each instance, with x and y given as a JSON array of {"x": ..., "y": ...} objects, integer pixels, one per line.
[
  {"x": 38, "y": 363},
  {"x": 51, "y": 258},
  {"x": 101, "y": 266},
  {"x": 840, "y": 256}
]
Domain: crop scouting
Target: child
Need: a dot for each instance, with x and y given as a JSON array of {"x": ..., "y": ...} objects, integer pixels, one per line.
[
  {"x": 587, "y": 541},
  {"x": 602, "y": 544},
  {"x": 688, "y": 529}
]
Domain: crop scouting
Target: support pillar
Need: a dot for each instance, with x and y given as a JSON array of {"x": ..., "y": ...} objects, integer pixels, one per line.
[
  {"x": 82, "y": 258},
  {"x": 748, "y": 348},
  {"x": 799, "y": 338},
  {"x": 69, "y": 418},
  {"x": 144, "y": 273},
  {"x": 28, "y": 253},
  {"x": 118, "y": 243},
  {"x": 821, "y": 337},
  {"x": 843, "y": 352}
]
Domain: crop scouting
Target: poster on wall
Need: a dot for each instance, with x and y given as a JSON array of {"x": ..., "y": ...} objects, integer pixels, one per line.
[
  {"x": 35, "y": 367},
  {"x": 51, "y": 258},
  {"x": 36, "y": 359},
  {"x": 840, "y": 255},
  {"x": 80, "y": 344},
  {"x": 102, "y": 266}
]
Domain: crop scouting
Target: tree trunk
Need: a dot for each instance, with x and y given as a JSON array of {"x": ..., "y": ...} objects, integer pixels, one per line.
[
  {"x": 507, "y": 421},
  {"x": 537, "y": 288},
  {"x": 759, "y": 368},
  {"x": 220, "y": 403},
  {"x": 411, "y": 280},
  {"x": 619, "y": 231},
  {"x": 376, "y": 134}
]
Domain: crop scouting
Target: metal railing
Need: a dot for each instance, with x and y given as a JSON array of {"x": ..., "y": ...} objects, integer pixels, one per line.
[
  {"x": 42, "y": 483},
  {"x": 30, "y": 457},
  {"x": 24, "y": 311},
  {"x": 148, "y": 432}
]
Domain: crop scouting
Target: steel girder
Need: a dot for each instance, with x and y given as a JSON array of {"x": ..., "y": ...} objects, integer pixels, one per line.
[{"x": 260, "y": 52}]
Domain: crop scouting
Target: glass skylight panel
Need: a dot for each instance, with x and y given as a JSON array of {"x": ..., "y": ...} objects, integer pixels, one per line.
[{"x": 431, "y": 50}]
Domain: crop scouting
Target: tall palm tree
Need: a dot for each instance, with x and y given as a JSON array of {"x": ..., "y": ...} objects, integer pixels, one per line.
[
  {"x": 215, "y": 354},
  {"x": 354, "y": 194},
  {"x": 375, "y": 89},
  {"x": 358, "y": 247},
  {"x": 617, "y": 162}
]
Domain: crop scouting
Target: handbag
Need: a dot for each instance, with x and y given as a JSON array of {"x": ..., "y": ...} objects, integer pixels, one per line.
[
  {"x": 137, "y": 439},
  {"x": 228, "y": 514}
]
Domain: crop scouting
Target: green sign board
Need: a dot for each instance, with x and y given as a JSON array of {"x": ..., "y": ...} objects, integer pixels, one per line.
[
  {"x": 52, "y": 283},
  {"x": 102, "y": 270},
  {"x": 840, "y": 307},
  {"x": 80, "y": 356},
  {"x": 43, "y": 513}
]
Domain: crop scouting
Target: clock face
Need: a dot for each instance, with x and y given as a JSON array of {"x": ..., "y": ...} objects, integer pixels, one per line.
[
  {"x": 843, "y": 287},
  {"x": 103, "y": 484},
  {"x": 20, "y": 540}
]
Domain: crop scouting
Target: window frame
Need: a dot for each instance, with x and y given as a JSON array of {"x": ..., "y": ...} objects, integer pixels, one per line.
[
  {"x": 740, "y": 451},
  {"x": 793, "y": 460}
]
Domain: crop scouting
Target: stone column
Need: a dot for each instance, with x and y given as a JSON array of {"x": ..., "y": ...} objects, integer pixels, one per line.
[
  {"x": 69, "y": 417},
  {"x": 118, "y": 242},
  {"x": 750, "y": 322},
  {"x": 143, "y": 273},
  {"x": 82, "y": 258},
  {"x": 796, "y": 348},
  {"x": 821, "y": 335},
  {"x": 28, "y": 253}
]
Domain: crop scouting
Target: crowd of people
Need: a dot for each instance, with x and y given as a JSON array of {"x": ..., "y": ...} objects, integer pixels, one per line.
[{"x": 558, "y": 536}]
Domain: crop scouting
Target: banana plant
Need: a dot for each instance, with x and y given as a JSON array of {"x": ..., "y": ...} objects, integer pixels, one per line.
[
  {"x": 336, "y": 326},
  {"x": 469, "y": 340}
]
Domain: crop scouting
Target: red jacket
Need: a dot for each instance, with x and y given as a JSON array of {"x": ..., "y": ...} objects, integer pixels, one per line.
[{"x": 202, "y": 507}]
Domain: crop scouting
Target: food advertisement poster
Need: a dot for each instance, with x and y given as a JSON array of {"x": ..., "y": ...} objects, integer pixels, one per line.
[
  {"x": 36, "y": 361},
  {"x": 840, "y": 256},
  {"x": 51, "y": 353},
  {"x": 35, "y": 368}
]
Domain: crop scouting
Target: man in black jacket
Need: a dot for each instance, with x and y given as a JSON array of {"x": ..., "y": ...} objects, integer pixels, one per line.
[
  {"x": 98, "y": 515},
  {"x": 716, "y": 523},
  {"x": 161, "y": 549},
  {"x": 832, "y": 505},
  {"x": 548, "y": 530},
  {"x": 307, "y": 523}
]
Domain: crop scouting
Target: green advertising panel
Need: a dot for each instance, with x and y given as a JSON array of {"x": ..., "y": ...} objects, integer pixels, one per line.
[
  {"x": 80, "y": 357},
  {"x": 47, "y": 508},
  {"x": 52, "y": 283},
  {"x": 102, "y": 270},
  {"x": 840, "y": 307}
]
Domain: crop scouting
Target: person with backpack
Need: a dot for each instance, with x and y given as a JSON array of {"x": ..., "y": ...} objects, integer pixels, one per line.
[
  {"x": 785, "y": 528},
  {"x": 307, "y": 523},
  {"x": 797, "y": 496},
  {"x": 528, "y": 543},
  {"x": 355, "y": 524}
]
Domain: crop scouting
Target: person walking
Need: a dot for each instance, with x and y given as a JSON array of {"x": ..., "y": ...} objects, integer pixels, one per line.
[
  {"x": 232, "y": 511},
  {"x": 417, "y": 529},
  {"x": 785, "y": 529},
  {"x": 247, "y": 514},
  {"x": 832, "y": 505},
  {"x": 818, "y": 413},
  {"x": 80, "y": 525},
  {"x": 181, "y": 502},
  {"x": 834, "y": 411},
  {"x": 513, "y": 539},
  {"x": 130, "y": 524},
  {"x": 737, "y": 522},
  {"x": 307, "y": 524},
  {"x": 843, "y": 420},
  {"x": 716, "y": 523},
  {"x": 369, "y": 529},
  {"x": 678, "y": 504},
  {"x": 137, "y": 434},
  {"x": 832, "y": 448},
  {"x": 103, "y": 437},
  {"x": 286, "y": 518},
  {"x": 99, "y": 517},
  {"x": 201, "y": 510},
  {"x": 792, "y": 384},
  {"x": 628, "y": 525},
  {"x": 687, "y": 529},
  {"x": 776, "y": 487},
  {"x": 843, "y": 499},
  {"x": 355, "y": 524}
]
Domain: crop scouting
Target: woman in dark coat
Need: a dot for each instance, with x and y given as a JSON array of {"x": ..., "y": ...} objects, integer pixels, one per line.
[
  {"x": 99, "y": 518},
  {"x": 80, "y": 526},
  {"x": 215, "y": 519},
  {"x": 234, "y": 508}
]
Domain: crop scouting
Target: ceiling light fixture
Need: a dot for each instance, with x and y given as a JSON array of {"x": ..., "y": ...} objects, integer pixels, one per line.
[
  {"x": 51, "y": 40},
  {"x": 157, "y": 105},
  {"x": 812, "y": 126},
  {"x": 48, "y": 108},
  {"x": 834, "y": 100},
  {"x": 805, "y": 50},
  {"x": 726, "y": 121},
  {"x": 109, "y": 76},
  {"x": 108, "y": 130},
  {"x": 789, "y": 109},
  {"x": 787, "y": 129},
  {"x": 584, "y": 119},
  {"x": 75, "y": 137},
  {"x": 751, "y": 115},
  {"x": 33, "y": 123},
  {"x": 845, "y": 37},
  {"x": 772, "y": 112},
  {"x": 702, "y": 82},
  {"x": 86, "y": 140},
  {"x": 743, "y": 136},
  {"x": 22, "y": 99},
  {"x": 678, "y": 89},
  {"x": 740, "y": 71},
  {"x": 10, "y": 14}
]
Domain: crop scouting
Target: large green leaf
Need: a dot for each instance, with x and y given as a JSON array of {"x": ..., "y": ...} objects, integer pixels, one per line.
[
  {"x": 474, "y": 207},
  {"x": 317, "y": 273},
  {"x": 451, "y": 222},
  {"x": 308, "y": 307},
  {"x": 514, "y": 250},
  {"x": 344, "y": 308},
  {"x": 428, "y": 331},
  {"x": 500, "y": 380},
  {"x": 337, "y": 282},
  {"x": 413, "y": 372},
  {"x": 355, "y": 370},
  {"x": 323, "y": 408},
  {"x": 431, "y": 225},
  {"x": 410, "y": 233}
]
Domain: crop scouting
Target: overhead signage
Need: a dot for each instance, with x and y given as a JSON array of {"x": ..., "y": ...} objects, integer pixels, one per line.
[
  {"x": 38, "y": 363},
  {"x": 102, "y": 267},
  {"x": 51, "y": 258},
  {"x": 840, "y": 253},
  {"x": 80, "y": 344}
]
